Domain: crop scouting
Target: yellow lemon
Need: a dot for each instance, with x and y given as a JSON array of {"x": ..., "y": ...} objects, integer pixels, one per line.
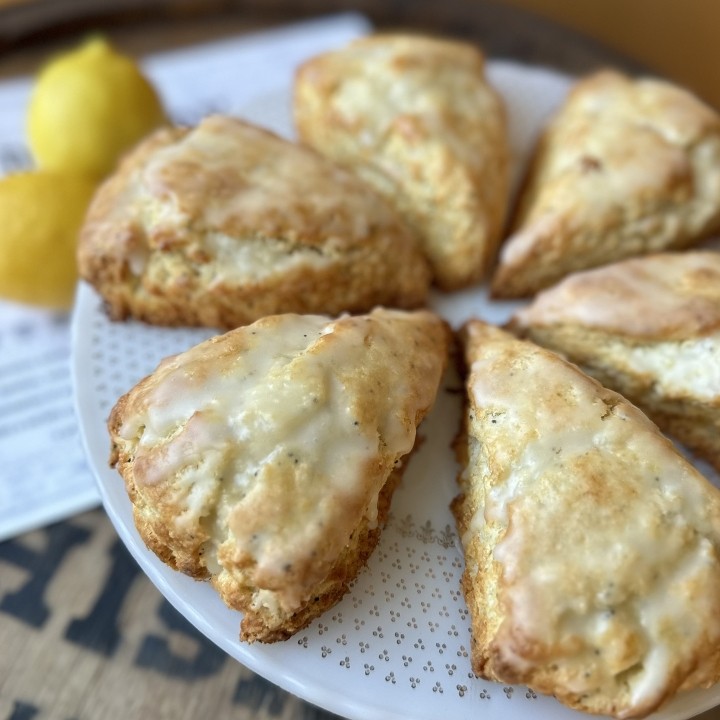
[
  {"x": 40, "y": 216},
  {"x": 89, "y": 106}
]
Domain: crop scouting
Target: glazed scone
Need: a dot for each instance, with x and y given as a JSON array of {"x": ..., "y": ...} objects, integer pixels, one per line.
[
  {"x": 591, "y": 544},
  {"x": 265, "y": 458},
  {"x": 225, "y": 223},
  {"x": 649, "y": 328},
  {"x": 416, "y": 118},
  {"x": 626, "y": 167}
]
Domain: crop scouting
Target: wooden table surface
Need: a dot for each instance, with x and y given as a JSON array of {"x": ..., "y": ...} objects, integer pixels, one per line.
[{"x": 83, "y": 633}]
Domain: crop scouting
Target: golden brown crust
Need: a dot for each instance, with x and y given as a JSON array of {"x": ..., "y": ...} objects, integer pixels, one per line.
[
  {"x": 226, "y": 223},
  {"x": 650, "y": 329},
  {"x": 417, "y": 119},
  {"x": 591, "y": 545},
  {"x": 330, "y": 590},
  {"x": 625, "y": 168},
  {"x": 665, "y": 296},
  {"x": 264, "y": 458}
]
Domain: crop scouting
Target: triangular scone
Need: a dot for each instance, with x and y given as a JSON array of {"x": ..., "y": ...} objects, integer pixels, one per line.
[
  {"x": 225, "y": 223},
  {"x": 417, "y": 119},
  {"x": 649, "y": 328},
  {"x": 625, "y": 168},
  {"x": 591, "y": 544},
  {"x": 265, "y": 458}
]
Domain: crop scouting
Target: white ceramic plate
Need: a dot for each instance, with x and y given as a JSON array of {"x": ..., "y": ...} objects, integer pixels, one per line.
[{"x": 397, "y": 646}]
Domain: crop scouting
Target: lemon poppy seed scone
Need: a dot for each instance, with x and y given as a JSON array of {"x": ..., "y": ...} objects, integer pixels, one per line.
[
  {"x": 625, "y": 168},
  {"x": 265, "y": 458},
  {"x": 649, "y": 328},
  {"x": 591, "y": 545},
  {"x": 416, "y": 118},
  {"x": 225, "y": 223}
]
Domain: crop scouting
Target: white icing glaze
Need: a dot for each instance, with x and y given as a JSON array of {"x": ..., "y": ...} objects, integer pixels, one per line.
[
  {"x": 655, "y": 296},
  {"x": 607, "y": 536},
  {"x": 240, "y": 167},
  {"x": 285, "y": 433}
]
